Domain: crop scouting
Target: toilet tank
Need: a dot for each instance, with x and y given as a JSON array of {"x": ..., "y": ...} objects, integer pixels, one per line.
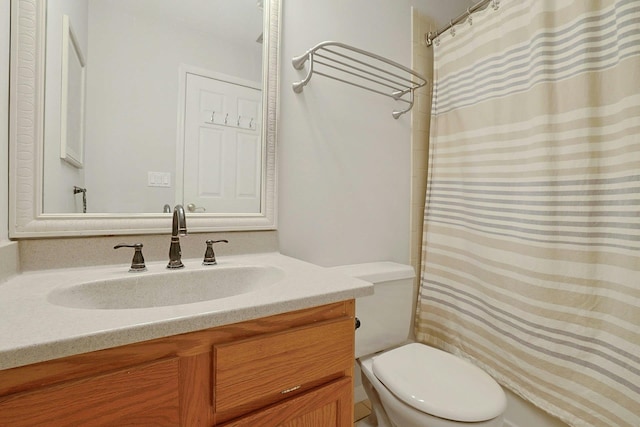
[{"x": 385, "y": 316}]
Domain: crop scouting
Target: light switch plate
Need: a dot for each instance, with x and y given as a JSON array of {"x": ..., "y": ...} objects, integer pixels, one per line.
[{"x": 158, "y": 179}]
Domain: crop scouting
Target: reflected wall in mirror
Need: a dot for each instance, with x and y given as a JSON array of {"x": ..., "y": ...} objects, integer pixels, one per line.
[
  {"x": 176, "y": 103},
  {"x": 139, "y": 55}
]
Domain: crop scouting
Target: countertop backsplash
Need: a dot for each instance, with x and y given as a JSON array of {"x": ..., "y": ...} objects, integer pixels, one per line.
[
  {"x": 9, "y": 260},
  {"x": 46, "y": 254}
]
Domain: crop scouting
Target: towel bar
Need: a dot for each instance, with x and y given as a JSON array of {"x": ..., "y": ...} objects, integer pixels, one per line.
[{"x": 362, "y": 69}]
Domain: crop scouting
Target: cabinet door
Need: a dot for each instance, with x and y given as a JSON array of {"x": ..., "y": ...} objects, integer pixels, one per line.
[
  {"x": 143, "y": 395},
  {"x": 328, "y": 406}
]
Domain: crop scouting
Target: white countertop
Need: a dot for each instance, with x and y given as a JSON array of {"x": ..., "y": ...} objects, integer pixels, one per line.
[{"x": 32, "y": 329}]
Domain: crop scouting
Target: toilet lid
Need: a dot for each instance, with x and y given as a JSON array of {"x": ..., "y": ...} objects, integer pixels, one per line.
[{"x": 439, "y": 383}]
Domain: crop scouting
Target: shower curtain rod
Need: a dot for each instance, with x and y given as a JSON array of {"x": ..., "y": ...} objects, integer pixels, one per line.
[{"x": 431, "y": 35}]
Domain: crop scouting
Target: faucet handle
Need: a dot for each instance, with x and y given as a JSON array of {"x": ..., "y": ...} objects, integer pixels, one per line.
[
  {"x": 209, "y": 255},
  {"x": 137, "y": 263}
]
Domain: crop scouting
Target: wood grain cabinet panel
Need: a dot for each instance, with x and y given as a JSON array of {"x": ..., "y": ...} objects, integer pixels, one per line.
[
  {"x": 140, "y": 395},
  {"x": 259, "y": 371},
  {"x": 326, "y": 406}
]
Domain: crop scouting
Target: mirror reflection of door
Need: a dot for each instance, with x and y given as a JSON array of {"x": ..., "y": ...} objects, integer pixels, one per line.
[{"x": 222, "y": 146}]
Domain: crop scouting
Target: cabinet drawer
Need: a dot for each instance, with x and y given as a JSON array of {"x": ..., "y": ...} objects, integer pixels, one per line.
[
  {"x": 328, "y": 406},
  {"x": 253, "y": 373}
]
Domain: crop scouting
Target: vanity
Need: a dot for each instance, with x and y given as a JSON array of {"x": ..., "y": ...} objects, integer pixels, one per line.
[
  {"x": 279, "y": 354},
  {"x": 256, "y": 340}
]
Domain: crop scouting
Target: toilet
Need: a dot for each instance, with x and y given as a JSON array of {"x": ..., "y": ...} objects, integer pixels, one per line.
[{"x": 411, "y": 384}]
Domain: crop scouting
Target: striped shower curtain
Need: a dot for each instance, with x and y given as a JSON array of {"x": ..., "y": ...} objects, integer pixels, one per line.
[{"x": 531, "y": 248}]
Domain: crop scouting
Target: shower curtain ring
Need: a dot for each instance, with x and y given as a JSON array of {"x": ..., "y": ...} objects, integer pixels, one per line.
[
  {"x": 469, "y": 20},
  {"x": 453, "y": 30}
]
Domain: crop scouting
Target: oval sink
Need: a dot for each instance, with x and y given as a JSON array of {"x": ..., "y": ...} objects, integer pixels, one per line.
[{"x": 146, "y": 290}]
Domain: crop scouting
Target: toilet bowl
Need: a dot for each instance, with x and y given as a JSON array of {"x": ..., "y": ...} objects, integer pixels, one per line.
[
  {"x": 418, "y": 385},
  {"x": 412, "y": 384}
]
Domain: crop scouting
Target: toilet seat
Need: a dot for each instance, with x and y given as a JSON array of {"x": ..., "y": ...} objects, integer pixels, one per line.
[{"x": 440, "y": 384}]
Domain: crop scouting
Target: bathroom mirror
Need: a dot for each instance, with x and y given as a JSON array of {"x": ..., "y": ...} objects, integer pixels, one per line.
[{"x": 133, "y": 167}]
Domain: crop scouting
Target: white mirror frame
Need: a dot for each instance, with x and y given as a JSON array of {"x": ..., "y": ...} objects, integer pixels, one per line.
[{"x": 26, "y": 217}]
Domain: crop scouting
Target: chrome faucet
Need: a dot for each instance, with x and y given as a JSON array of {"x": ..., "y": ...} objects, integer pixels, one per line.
[{"x": 179, "y": 229}]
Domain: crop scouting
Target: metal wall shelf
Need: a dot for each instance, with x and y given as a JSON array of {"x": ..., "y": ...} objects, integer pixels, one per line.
[{"x": 357, "y": 67}]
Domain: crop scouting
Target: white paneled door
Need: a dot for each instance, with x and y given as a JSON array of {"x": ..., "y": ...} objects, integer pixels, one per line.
[{"x": 222, "y": 146}]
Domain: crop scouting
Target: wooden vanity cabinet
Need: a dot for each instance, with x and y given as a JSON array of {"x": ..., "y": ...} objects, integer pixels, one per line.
[{"x": 293, "y": 369}]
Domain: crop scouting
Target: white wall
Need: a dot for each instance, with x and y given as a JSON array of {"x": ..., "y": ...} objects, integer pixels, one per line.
[
  {"x": 4, "y": 120},
  {"x": 343, "y": 161}
]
